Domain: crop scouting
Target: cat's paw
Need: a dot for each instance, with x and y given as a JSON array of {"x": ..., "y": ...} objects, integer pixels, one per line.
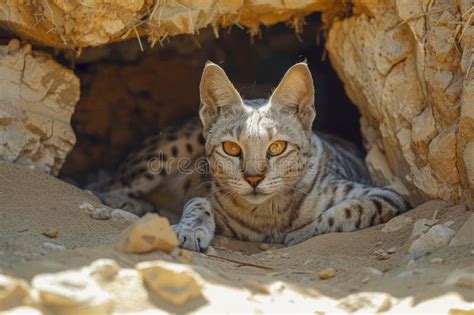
[
  {"x": 196, "y": 239},
  {"x": 196, "y": 228},
  {"x": 300, "y": 235}
]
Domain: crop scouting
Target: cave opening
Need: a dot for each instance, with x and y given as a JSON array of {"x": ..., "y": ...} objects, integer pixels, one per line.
[{"x": 128, "y": 94}]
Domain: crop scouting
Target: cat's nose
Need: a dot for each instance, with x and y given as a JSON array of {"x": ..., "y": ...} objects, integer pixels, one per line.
[{"x": 254, "y": 179}]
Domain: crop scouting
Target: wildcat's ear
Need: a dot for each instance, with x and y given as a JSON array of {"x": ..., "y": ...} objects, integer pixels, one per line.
[
  {"x": 218, "y": 95},
  {"x": 295, "y": 94}
]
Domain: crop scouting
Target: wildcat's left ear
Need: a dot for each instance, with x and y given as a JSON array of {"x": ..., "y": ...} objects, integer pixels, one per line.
[{"x": 295, "y": 94}]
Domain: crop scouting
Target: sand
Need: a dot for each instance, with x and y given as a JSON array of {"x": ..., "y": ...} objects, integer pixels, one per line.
[{"x": 243, "y": 275}]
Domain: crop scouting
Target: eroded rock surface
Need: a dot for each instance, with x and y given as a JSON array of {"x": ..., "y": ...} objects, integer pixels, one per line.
[
  {"x": 37, "y": 99},
  {"x": 63, "y": 23},
  {"x": 407, "y": 67}
]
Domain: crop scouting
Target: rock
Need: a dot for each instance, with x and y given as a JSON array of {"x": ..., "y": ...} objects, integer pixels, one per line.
[
  {"x": 379, "y": 243},
  {"x": 149, "y": 233},
  {"x": 53, "y": 246},
  {"x": 72, "y": 292},
  {"x": 51, "y": 233},
  {"x": 425, "y": 139},
  {"x": 37, "y": 99},
  {"x": 103, "y": 269},
  {"x": 123, "y": 216},
  {"x": 101, "y": 213},
  {"x": 174, "y": 283},
  {"x": 99, "y": 23},
  {"x": 13, "y": 292},
  {"x": 465, "y": 235},
  {"x": 397, "y": 223},
  {"x": 327, "y": 273},
  {"x": 436, "y": 237},
  {"x": 421, "y": 226}
]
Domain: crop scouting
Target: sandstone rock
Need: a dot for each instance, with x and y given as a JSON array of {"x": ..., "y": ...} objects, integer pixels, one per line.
[
  {"x": 37, "y": 99},
  {"x": 397, "y": 223},
  {"x": 51, "y": 233},
  {"x": 436, "y": 237},
  {"x": 13, "y": 292},
  {"x": 72, "y": 24},
  {"x": 174, "y": 283},
  {"x": 327, "y": 273},
  {"x": 412, "y": 80},
  {"x": 72, "y": 292},
  {"x": 123, "y": 216},
  {"x": 465, "y": 235},
  {"x": 151, "y": 232}
]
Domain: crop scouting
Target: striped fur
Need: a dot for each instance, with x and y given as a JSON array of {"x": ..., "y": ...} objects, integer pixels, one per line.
[{"x": 318, "y": 185}]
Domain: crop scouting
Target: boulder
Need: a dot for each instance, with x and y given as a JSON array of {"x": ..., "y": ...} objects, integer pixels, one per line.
[{"x": 37, "y": 99}]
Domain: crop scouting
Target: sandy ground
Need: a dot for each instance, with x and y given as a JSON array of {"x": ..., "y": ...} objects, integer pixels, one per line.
[{"x": 242, "y": 277}]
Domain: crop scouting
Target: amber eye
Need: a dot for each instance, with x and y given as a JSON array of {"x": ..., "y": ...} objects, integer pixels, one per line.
[
  {"x": 231, "y": 148},
  {"x": 277, "y": 148}
]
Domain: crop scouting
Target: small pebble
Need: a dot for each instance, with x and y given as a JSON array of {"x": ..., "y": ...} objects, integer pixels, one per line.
[
  {"x": 411, "y": 263},
  {"x": 378, "y": 243},
  {"x": 327, "y": 273},
  {"x": 391, "y": 250},
  {"x": 309, "y": 261},
  {"x": 54, "y": 247},
  {"x": 472, "y": 252},
  {"x": 100, "y": 214},
  {"x": 51, "y": 233},
  {"x": 365, "y": 280},
  {"x": 437, "y": 260},
  {"x": 264, "y": 246},
  {"x": 269, "y": 253}
]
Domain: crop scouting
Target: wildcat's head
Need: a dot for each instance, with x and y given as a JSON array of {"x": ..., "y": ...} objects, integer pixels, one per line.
[{"x": 258, "y": 148}]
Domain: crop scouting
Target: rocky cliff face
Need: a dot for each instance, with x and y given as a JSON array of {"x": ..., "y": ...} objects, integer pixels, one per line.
[{"x": 407, "y": 67}]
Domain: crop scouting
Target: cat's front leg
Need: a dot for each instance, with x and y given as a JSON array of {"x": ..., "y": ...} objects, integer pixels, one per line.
[{"x": 196, "y": 227}]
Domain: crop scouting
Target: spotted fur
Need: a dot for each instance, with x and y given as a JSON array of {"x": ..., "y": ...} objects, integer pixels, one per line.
[{"x": 318, "y": 185}]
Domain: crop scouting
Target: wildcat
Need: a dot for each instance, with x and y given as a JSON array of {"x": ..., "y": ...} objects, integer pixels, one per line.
[{"x": 273, "y": 179}]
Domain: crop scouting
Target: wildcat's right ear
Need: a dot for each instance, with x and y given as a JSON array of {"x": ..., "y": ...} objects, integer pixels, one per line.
[{"x": 217, "y": 95}]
